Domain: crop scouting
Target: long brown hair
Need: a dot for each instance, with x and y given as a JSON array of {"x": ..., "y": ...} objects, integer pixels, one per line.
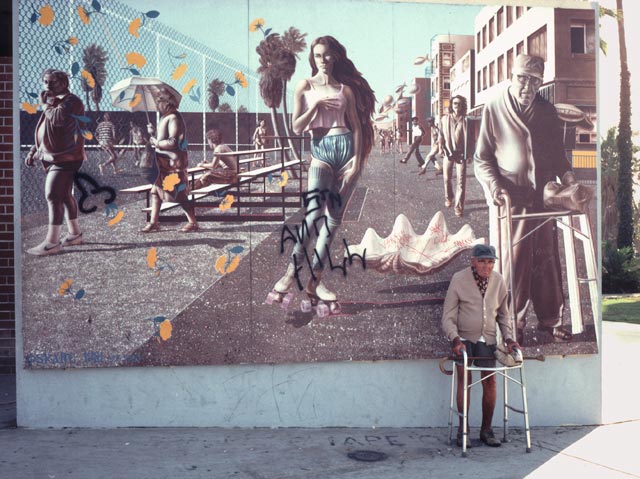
[{"x": 345, "y": 72}]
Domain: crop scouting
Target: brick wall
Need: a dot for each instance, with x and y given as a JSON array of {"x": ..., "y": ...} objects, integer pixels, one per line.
[{"x": 7, "y": 277}]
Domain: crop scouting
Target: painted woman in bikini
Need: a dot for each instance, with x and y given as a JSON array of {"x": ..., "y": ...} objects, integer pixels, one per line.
[{"x": 335, "y": 105}]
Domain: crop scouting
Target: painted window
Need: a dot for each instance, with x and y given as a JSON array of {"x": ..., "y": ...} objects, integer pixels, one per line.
[{"x": 537, "y": 43}]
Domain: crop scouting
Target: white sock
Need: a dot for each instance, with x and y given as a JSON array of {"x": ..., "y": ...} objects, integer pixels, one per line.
[
  {"x": 74, "y": 227},
  {"x": 53, "y": 234}
]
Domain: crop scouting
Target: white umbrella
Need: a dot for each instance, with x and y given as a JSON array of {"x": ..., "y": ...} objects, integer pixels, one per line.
[{"x": 137, "y": 93}]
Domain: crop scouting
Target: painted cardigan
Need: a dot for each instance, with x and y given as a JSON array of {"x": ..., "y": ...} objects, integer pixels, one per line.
[
  {"x": 517, "y": 157},
  {"x": 468, "y": 315}
]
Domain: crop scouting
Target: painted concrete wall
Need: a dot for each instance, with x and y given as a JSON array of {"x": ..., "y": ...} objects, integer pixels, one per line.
[{"x": 394, "y": 394}]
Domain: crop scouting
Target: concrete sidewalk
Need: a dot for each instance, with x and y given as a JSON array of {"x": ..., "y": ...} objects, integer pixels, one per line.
[{"x": 605, "y": 452}]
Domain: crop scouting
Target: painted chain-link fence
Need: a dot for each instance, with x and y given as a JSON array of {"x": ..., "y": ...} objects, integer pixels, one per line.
[{"x": 101, "y": 43}]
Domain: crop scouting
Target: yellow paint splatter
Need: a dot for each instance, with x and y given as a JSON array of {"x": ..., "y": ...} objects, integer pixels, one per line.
[
  {"x": 152, "y": 257},
  {"x": 190, "y": 84},
  {"x": 64, "y": 287},
  {"x": 256, "y": 24},
  {"x": 166, "y": 328},
  {"x": 87, "y": 135},
  {"x": 46, "y": 16},
  {"x": 82, "y": 13},
  {"x": 116, "y": 219},
  {"x": 135, "y": 58},
  {"x": 283, "y": 179},
  {"x": 134, "y": 26},
  {"x": 29, "y": 108},
  {"x": 170, "y": 182},
  {"x": 88, "y": 78},
  {"x": 241, "y": 79},
  {"x": 234, "y": 264},
  {"x": 221, "y": 262},
  {"x": 179, "y": 71},
  {"x": 226, "y": 202},
  {"x": 137, "y": 98},
  {"x": 72, "y": 40}
]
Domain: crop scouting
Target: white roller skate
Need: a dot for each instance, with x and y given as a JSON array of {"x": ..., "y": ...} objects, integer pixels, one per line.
[
  {"x": 321, "y": 298},
  {"x": 280, "y": 292}
]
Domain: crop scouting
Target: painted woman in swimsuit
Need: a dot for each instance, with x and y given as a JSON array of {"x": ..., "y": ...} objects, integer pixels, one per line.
[{"x": 335, "y": 105}]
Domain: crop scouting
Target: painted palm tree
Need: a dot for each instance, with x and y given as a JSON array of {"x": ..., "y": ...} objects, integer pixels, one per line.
[
  {"x": 94, "y": 58},
  {"x": 215, "y": 90},
  {"x": 292, "y": 41},
  {"x": 277, "y": 65}
]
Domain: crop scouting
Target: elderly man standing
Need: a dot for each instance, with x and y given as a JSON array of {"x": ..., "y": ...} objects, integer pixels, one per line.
[
  {"x": 519, "y": 150},
  {"x": 172, "y": 183},
  {"x": 476, "y": 302}
]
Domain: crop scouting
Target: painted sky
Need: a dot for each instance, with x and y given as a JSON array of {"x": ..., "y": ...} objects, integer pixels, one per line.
[{"x": 381, "y": 38}]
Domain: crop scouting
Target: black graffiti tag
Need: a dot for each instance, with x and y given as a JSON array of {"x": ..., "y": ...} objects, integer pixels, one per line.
[
  {"x": 304, "y": 231},
  {"x": 96, "y": 189}
]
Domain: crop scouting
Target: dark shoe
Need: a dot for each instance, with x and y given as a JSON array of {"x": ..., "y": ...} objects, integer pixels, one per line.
[
  {"x": 489, "y": 439},
  {"x": 404, "y": 160},
  {"x": 558, "y": 332},
  {"x": 458, "y": 211},
  {"x": 422, "y": 170},
  {"x": 459, "y": 440},
  {"x": 149, "y": 227}
]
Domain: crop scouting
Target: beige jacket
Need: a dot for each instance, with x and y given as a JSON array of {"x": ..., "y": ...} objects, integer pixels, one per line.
[{"x": 468, "y": 315}]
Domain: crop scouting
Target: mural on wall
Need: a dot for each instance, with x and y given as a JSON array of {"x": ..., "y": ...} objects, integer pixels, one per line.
[{"x": 276, "y": 192}]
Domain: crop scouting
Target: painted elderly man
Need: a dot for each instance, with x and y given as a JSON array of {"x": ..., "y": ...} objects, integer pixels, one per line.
[
  {"x": 477, "y": 302},
  {"x": 519, "y": 150}
]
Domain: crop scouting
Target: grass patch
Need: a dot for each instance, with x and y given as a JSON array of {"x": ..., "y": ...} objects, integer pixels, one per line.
[{"x": 624, "y": 310}]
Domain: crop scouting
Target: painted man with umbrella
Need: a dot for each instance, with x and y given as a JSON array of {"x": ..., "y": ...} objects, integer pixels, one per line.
[{"x": 169, "y": 142}]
